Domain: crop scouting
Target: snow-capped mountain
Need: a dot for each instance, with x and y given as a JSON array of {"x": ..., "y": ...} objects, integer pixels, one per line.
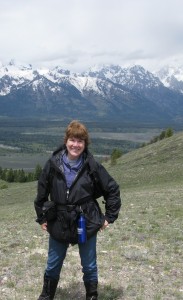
[
  {"x": 108, "y": 92},
  {"x": 172, "y": 77},
  {"x": 12, "y": 76},
  {"x": 135, "y": 77}
]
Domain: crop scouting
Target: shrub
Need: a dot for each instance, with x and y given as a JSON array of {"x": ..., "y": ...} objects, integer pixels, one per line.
[{"x": 116, "y": 153}]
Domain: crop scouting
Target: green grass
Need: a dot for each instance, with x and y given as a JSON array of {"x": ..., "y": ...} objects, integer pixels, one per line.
[
  {"x": 158, "y": 163},
  {"x": 139, "y": 256}
]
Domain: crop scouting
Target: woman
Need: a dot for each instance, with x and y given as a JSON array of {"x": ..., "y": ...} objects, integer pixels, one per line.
[{"x": 73, "y": 187}]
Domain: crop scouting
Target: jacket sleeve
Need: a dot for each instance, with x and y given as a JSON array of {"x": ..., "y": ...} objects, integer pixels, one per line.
[
  {"x": 111, "y": 194},
  {"x": 43, "y": 191}
]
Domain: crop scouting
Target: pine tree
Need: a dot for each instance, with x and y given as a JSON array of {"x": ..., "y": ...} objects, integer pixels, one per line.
[
  {"x": 21, "y": 176},
  {"x": 37, "y": 172},
  {"x": 169, "y": 132},
  {"x": 10, "y": 175},
  {"x": 116, "y": 153}
]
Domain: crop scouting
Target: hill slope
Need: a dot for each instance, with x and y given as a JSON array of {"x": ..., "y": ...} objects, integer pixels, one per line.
[
  {"x": 139, "y": 256},
  {"x": 158, "y": 163}
]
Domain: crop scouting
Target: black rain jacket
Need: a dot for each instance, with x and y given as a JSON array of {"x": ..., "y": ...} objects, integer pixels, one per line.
[{"x": 81, "y": 196}]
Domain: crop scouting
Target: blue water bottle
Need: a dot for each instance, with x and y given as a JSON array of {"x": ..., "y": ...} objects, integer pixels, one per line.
[{"x": 82, "y": 229}]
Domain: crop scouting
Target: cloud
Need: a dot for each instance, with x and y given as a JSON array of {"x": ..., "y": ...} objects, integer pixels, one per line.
[{"x": 77, "y": 34}]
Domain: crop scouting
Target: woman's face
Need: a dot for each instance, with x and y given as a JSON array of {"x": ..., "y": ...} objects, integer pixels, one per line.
[{"x": 75, "y": 147}]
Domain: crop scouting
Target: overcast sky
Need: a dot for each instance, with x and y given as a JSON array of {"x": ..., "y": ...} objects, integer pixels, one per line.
[{"x": 78, "y": 34}]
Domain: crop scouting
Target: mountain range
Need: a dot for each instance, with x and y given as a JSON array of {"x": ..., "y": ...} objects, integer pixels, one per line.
[{"x": 109, "y": 92}]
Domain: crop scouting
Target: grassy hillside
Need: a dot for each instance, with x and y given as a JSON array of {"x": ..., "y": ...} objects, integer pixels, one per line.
[
  {"x": 139, "y": 256},
  {"x": 158, "y": 163}
]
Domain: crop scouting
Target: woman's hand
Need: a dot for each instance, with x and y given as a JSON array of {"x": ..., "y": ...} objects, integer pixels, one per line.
[
  {"x": 104, "y": 225},
  {"x": 44, "y": 226}
]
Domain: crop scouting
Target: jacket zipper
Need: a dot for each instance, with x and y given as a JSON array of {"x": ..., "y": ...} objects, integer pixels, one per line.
[
  {"x": 69, "y": 189},
  {"x": 67, "y": 193},
  {"x": 77, "y": 175}
]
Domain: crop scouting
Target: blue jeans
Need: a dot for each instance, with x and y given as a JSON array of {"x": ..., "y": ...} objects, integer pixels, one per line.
[{"x": 57, "y": 253}]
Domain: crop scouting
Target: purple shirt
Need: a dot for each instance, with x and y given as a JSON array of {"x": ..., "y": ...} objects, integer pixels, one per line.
[{"x": 71, "y": 168}]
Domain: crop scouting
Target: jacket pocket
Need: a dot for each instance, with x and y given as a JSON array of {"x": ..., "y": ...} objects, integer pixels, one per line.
[
  {"x": 57, "y": 229},
  {"x": 95, "y": 218},
  {"x": 61, "y": 229},
  {"x": 49, "y": 211}
]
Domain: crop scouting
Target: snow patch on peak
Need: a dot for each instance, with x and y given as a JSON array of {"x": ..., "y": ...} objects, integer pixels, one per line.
[
  {"x": 79, "y": 82},
  {"x": 87, "y": 83},
  {"x": 43, "y": 71},
  {"x": 17, "y": 72},
  {"x": 171, "y": 77},
  {"x": 60, "y": 71}
]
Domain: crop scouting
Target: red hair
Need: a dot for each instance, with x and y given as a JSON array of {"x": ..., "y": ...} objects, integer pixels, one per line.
[{"x": 77, "y": 130}]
